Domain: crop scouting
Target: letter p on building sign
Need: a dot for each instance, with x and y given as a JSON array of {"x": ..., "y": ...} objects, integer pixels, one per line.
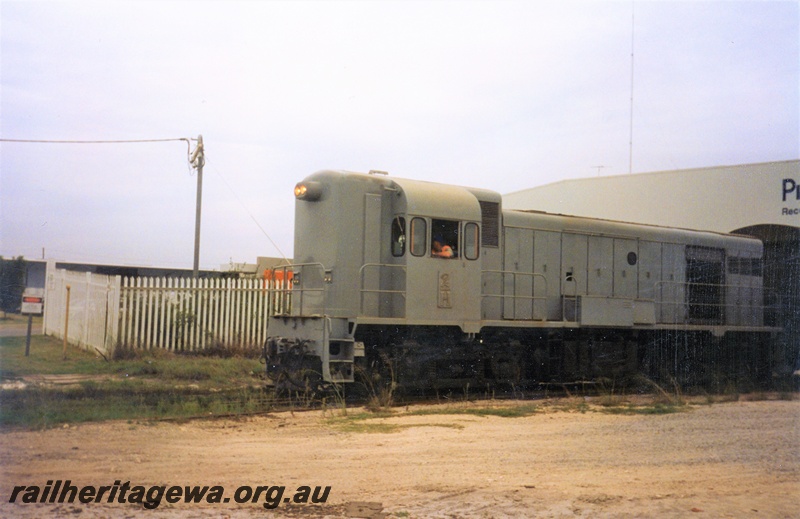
[{"x": 32, "y": 301}]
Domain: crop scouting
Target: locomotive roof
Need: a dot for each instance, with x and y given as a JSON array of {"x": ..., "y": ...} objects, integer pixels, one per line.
[
  {"x": 426, "y": 198},
  {"x": 615, "y": 228},
  {"x": 422, "y": 198},
  {"x": 440, "y": 200}
]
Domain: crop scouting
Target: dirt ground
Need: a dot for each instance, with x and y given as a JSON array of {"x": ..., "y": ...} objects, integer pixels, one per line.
[{"x": 734, "y": 459}]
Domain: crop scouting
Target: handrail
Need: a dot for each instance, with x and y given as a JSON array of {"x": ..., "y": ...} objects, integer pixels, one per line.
[
  {"x": 575, "y": 300},
  {"x": 363, "y": 290},
  {"x": 514, "y": 297},
  {"x": 289, "y": 292}
]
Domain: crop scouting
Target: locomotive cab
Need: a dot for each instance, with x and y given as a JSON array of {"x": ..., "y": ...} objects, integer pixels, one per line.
[
  {"x": 375, "y": 250},
  {"x": 434, "y": 236}
]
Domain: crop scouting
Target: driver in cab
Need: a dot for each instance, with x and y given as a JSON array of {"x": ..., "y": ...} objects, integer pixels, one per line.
[{"x": 441, "y": 251}]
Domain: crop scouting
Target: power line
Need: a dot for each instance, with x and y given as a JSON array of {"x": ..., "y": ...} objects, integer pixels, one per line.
[
  {"x": 250, "y": 213},
  {"x": 127, "y": 141},
  {"x": 199, "y": 164},
  {"x": 187, "y": 140},
  {"x": 116, "y": 141},
  {"x": 196, "y": 160}
]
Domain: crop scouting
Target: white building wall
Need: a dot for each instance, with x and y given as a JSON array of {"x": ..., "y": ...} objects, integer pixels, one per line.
[{"x": 721, "y": 199}]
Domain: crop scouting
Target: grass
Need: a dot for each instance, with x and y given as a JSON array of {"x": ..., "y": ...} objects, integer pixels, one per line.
[
  {"x": 384, "y": 428},
  {"x": 47, "y": 407},
  {"x": 504, "y": 411},
  {"x": 46, "y": 358},
  {"x": 647, "y": 409},
  {"x": 363, "y": 422},
  {"x": 148, "y": 385}
]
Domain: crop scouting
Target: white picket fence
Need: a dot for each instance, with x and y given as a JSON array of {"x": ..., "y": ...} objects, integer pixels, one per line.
[
  {"x": 191, "y": 314},
  {"x": 177, "y": 314}
]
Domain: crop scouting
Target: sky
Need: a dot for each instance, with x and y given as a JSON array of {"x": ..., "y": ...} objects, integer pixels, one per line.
[{"x": 502, "y": 95}]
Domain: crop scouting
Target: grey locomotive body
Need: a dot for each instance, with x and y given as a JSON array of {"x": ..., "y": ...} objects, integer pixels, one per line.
[{"x": 437, "y": 285}]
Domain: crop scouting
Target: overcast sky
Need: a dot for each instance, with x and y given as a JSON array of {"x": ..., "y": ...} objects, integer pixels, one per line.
[{"x": 494, "y": 94}]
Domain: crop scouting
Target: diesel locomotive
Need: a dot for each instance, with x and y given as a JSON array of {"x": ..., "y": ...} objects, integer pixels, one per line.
[{"x": 426, "y": 285}]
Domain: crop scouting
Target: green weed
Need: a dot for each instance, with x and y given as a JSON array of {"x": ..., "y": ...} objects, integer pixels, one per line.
[
  {"x": 515, "y": 411},
  {"x": 148, "y": 385},
  {"x": 657, "y": 408},
  {"x": 360, "y": 426}
]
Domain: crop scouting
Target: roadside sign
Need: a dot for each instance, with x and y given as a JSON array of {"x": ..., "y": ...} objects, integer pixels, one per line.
[{"x": 32, "y": 301}]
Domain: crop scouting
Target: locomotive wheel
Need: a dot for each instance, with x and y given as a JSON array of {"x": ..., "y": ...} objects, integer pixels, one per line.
[
  {"x": 379, "y": 377},
  {"x": 294, "y": 374}
]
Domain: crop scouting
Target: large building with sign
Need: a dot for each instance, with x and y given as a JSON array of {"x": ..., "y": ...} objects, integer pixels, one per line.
[{"x": 761, "y": 200}]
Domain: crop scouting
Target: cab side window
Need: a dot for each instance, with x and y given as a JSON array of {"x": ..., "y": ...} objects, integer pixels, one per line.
[
  {"x": 444, "y": 239},
  {"x": 471, "y": 242},
  {"x": 419, "y": 236},
  {"x": 398, "y": 236}
]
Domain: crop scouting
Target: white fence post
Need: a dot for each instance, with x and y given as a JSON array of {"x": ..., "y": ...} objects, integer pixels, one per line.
[
  {"x": 112, "y": 314},
  {"x": 87, "y": 309}
]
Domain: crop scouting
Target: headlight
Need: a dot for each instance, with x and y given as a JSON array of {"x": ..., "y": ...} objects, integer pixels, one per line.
[{"x": 308, "y": 191}]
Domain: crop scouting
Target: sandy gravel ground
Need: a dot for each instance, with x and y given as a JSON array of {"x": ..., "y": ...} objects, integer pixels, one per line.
[{"x": 735, "y": 459}]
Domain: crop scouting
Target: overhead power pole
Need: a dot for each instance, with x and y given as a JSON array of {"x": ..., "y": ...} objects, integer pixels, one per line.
[{"x": 198, "y": 160}]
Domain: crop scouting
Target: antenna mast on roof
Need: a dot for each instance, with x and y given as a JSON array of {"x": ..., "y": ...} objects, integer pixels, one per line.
[{"x": 630, "y": 141}]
